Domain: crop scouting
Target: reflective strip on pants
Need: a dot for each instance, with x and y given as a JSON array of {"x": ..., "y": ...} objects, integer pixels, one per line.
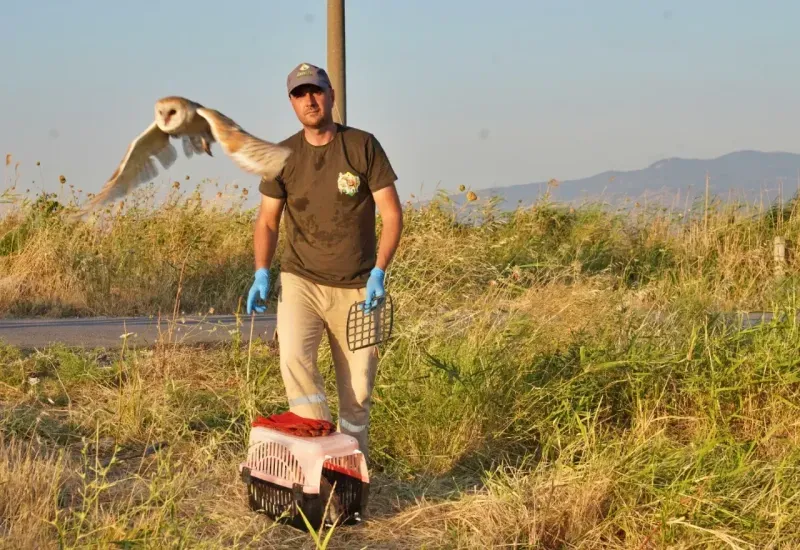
[
  {"x": 354, "y": 428},
  {"x": 307, "y": 400}
]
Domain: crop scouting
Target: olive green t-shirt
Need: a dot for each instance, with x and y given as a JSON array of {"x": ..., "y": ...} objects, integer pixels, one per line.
[{"x": 329, "y": 213}]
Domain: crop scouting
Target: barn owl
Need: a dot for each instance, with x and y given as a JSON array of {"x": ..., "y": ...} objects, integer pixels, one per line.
[{"x": 197, "y": 127}]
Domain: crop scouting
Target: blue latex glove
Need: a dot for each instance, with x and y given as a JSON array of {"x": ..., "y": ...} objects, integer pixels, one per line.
[
  {"x": 260, "y": 288},
  {"x": 374, "y": 288}
]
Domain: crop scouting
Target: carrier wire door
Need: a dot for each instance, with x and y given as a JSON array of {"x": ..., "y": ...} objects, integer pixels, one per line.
[{"x": 365, "y": 329}]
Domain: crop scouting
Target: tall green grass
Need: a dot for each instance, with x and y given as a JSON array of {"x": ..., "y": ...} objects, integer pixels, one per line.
[{"x": 559, "y": 378}]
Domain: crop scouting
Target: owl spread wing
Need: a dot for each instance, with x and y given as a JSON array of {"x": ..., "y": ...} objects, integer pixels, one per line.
[
  {"x": 137, "y": 166},
  {"x": 251, "y": 154}
]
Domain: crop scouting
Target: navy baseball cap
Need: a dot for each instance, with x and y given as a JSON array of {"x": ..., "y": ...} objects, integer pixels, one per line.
[{"x": 305, "y": 73}]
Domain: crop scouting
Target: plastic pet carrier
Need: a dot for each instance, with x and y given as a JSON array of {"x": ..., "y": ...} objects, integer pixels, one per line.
[{"x": 286, "y": 473}]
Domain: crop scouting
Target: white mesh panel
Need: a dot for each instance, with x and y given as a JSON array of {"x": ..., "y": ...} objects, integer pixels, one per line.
[
  {"x": 348, "y": 462},
  {"x": 276, "y": 460}
]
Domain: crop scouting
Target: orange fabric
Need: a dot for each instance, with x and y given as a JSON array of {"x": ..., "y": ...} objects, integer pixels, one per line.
[{"x": 292, "y": 424}]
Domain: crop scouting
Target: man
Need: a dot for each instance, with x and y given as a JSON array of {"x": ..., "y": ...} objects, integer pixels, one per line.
[{"x": 329, "y": 188}]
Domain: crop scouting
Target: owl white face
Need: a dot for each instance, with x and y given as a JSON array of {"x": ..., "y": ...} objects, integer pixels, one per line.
[{"x": 171, "y": 114}]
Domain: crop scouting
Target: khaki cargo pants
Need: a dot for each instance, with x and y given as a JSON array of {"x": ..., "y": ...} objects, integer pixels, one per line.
[{"x": 305, "y": 311}]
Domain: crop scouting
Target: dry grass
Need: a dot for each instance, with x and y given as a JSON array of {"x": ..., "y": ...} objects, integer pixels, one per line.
[
  {"x": 555, "y": 381},
  {"x": 545, "y": 510},
  {"x": 30, "y": 483}
]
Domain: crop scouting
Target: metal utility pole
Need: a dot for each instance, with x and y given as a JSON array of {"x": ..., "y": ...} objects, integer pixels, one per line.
[{"x": 336, "y": 59}]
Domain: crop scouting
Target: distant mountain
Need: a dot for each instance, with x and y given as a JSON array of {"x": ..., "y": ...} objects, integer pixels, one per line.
[{"x": 745, "y": 174}]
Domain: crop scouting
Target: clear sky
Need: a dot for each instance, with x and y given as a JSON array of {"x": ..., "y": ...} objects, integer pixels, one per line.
[{"x": 471, "y": 92}]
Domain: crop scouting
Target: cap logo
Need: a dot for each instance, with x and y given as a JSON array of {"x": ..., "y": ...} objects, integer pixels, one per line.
[{"x": 303, "y": 71}]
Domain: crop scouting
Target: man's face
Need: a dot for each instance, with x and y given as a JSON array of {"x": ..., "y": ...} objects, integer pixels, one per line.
[{"x": 312, "y": 105}]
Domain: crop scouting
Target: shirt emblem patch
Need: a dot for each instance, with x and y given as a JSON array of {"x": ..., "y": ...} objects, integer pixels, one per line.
[{"x": 348, "y": 183}]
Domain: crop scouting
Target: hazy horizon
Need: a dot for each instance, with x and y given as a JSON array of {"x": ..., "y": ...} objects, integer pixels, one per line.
[{"x": 485, "y": 96}]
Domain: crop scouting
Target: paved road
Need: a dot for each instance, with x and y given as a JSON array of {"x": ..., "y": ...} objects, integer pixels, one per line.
[
  {"x": 750, "y": 319},
  {"x": 143, "y": 331}
]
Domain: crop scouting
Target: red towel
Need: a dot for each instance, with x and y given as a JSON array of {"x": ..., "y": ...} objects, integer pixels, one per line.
[{"x": 292, "y": 424}]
